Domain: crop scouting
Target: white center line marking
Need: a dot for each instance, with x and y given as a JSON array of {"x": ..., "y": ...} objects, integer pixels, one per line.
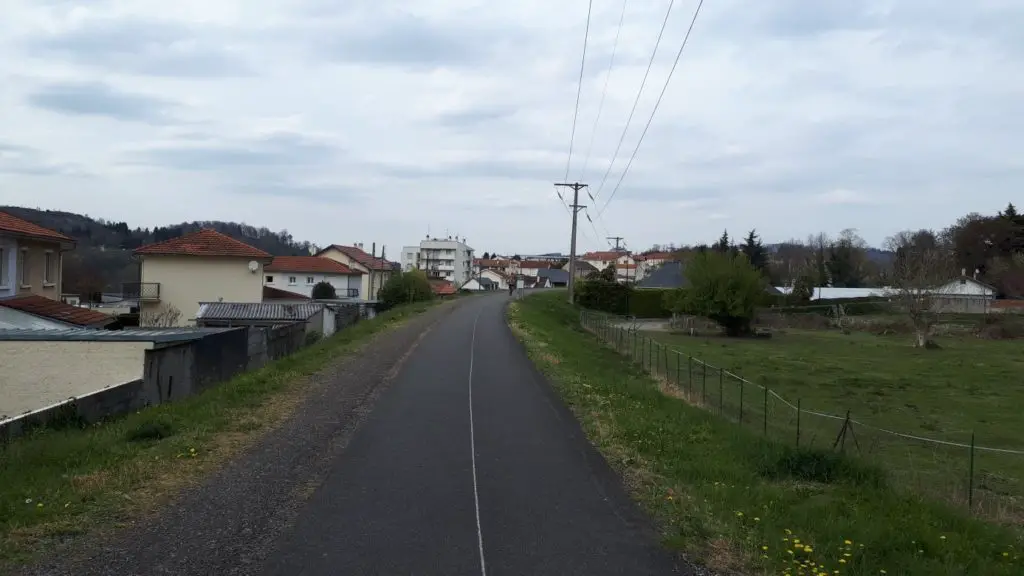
[{"x": 472, "y": 447}]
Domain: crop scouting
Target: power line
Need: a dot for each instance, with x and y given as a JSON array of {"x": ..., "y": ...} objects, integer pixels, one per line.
[
  {"x": 637, "y": 100},
  {"x": 579, "y": 89},
  {"x": 656, "y": 104},
  {"x": 604, "y": 91}
]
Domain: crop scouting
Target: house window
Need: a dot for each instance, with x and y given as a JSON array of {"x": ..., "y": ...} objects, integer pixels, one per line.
[
  {"x": 309, "y": 280},
  {"x": 270, "y": 279},
  {"x": 291, "y": 280},
  {"x": 48, "y": 269},
  {"x": 3, "y": 267},
  {"x": 23, "y": 275}
]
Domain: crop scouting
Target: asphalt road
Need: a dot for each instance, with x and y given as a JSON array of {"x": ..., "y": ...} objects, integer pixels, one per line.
[{"x": 467, "y": 465}]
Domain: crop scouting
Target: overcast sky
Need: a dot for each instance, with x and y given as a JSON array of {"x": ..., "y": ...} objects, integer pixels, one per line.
[{"x": 374, "y": 120}]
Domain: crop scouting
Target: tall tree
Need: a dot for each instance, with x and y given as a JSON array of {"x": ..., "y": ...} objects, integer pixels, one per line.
[
  {"x": 846, "y": 260},
  {"x": 918, "y": 270},
  {"x": 817, "y": 265},
  {"x": 723, "y": 287},
  {"x": 723, "y": 243},
  {"x": 755, "y": 252}
]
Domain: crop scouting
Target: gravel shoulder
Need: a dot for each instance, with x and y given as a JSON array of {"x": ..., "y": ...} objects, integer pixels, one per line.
[{"x": 227, "y": 523}]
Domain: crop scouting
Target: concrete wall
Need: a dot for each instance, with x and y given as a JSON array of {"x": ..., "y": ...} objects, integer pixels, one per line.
[
  {"x": 185, "y": 281},
  {"x": 36, "y": 374},
  {"x": 341, "y": 282},
  {"x": 176, "y": 372},
  {"x": 961, "y": 304}
]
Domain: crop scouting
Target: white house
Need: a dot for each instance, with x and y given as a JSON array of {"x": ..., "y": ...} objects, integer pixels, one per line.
[
  {"x": 448, "y": 259},
  {"x": 299, "y": 274},
  {"x": 965, "y": 295},
  {"x": 533, "y": 267},
  {"x": 497, "y": 277},
  {"x": 376, "y": 270},
  {"x": 602, "y": 260}
]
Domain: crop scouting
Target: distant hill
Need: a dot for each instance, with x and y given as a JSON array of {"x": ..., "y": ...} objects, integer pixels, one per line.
[{"x": 102, "y": 259}]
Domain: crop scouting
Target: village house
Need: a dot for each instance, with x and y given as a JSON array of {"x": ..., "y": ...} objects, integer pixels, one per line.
[
  {"x": 375, "y": 270},
  {"x": 299, "y": 274},
  {"x": 204, "y": 266}
]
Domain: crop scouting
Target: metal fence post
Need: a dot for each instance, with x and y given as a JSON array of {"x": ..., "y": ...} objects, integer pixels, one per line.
[
  {"x": 679, "y": 363},
  {"x": 765, "y": 410},
  {"x": 689, "y": 370},
  {"x": 741, "y": 401},
  {"x": 798, "y": 422},
  {"x": 970, "y": 480},
  {"x": 704, "y": 392},
  {"x": 721, "y": 391},
  {"x": 703, "y": 375}
]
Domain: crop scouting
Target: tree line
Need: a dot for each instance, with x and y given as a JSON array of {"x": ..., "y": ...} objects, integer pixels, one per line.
[{"x": 989, "y": 248}]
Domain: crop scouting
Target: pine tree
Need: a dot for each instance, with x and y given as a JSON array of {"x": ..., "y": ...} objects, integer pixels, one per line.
[
  {"x": 723, "y": 243},
  {"x": 754, "y": 251}
]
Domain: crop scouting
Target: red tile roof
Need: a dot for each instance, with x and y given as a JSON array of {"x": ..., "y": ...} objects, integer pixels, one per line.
[
  {"x": 490, "y": 262},
  {"x": 360, "y": 256},
  {"x": 271, "y": 293},
  {"x": 205, "y": 242},
  {"x": 54, "y": 310},
  {"x": 658, "y": 256},
  {"x": 535, "y": 264},
  {"x": 602, "y": 256},
  {"x": 15, "y": 225},
  {"x": 443, "y": 288},
  {"x": 308, "y": 264}
]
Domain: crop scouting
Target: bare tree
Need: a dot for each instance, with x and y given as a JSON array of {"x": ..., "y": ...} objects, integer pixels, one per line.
[
  {"x": 919, "y": 272},
  {"x": 163, "y": 316}
]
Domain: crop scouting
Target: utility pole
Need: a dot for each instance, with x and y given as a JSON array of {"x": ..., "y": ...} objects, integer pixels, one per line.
[
  {"x": 576, "y": 206},
  {"x": 617, "y": 240}
]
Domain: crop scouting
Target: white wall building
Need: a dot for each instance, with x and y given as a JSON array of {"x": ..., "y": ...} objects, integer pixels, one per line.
[
  {"x": 448, "y": 259},
  {"x": 299, "y": 274}
]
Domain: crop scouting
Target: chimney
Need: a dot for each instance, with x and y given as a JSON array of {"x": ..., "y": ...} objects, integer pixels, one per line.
[
  {"x": 963, "y": 272},
  {"x": 975, "y": 273}
]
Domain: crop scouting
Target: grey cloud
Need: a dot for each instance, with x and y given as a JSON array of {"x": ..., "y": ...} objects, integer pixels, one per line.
[
  {"x": 474, "y": 117},
  {"x": 279, "y": 187},
  {"x": 28, "y": 161},
  {"x": 95, "y": 99},
  {"x": 500, "y": 168},
  {"x": 145, "y": 47},
  {"x": 275, "y": 151}
]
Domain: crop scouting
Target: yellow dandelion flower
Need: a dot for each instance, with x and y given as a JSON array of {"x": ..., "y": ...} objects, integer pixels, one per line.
[
  {"x": 942, "y": 537},
  {"x": 808, "y": 549},
  {"x": 764, "y": 548},
  {"x": 847, "y": 542},
  {"x": 842, "y": 561}
]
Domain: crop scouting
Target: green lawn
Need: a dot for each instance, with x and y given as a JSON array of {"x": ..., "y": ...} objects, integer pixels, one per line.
[
  {"x": 731, "y": 497},
  {"x": 969, "y": 386},
  {"x": 55, "y": 483}
]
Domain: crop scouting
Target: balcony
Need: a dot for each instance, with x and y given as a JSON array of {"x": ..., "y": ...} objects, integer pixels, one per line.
[
  {"x": 141, "y": 291},
  {"x": 349, "y": 293}
]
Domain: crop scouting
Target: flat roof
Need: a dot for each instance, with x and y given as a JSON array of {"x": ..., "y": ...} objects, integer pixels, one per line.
[{"x": 155, "y": 335}]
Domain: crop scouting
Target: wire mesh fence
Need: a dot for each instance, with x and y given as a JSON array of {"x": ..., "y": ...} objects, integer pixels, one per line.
[{"x": 987, "y": 481}]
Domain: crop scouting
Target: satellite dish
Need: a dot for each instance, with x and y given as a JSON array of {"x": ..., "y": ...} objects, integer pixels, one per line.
[{"x": 253, "y": 266}]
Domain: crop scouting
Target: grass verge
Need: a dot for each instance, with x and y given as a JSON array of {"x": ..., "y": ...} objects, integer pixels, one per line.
[
  {"x": 737, "y": 501},
  {"x": 60, "y": 483}
]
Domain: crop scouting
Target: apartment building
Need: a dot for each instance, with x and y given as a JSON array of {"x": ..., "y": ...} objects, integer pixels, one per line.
[{"x": 448, "y": 259}]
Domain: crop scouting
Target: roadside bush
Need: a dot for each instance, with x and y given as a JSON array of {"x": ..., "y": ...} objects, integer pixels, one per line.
[
  {"x": 403, "y": 288},
  {"x": 822, "y": 466},
  {"x": 650, "y": 303},
  {"x": 603, "y": 295},
  {"x": 156, "y": 429},
  {"x": 323, "y": 290},
  {"x": 723, "y": 287}
]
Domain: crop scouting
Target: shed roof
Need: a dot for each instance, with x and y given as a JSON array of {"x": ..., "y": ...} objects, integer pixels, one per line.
[
  {"x": 356, "y": 253},
  {"x": 205, "y": 242},
  {"x": 555, "y": 276},
  {"x": 258, "y": 311},
  {"x": 668, "y": 275},
  {"x": 155, "y": 335},
  {"x": 271, "y": 293},
  {"x": 56, "y": 310}
]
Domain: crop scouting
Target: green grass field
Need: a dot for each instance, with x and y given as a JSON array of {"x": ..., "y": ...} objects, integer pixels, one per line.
[
  {"x": 969, "y": 387},
  {"x": 734, "y": 499},
  {"x": 58, "y": 483}
]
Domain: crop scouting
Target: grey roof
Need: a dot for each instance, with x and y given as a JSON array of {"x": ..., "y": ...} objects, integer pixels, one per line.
[
  {"x": 668, "y": 275},
  {"x": 258, "y": 311},
  {"x": 555, "y": 276},
  {"x": 11, "y": 319},
  {"x": 486, "y": 282},
  {"x": 156, "y": 335}
]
